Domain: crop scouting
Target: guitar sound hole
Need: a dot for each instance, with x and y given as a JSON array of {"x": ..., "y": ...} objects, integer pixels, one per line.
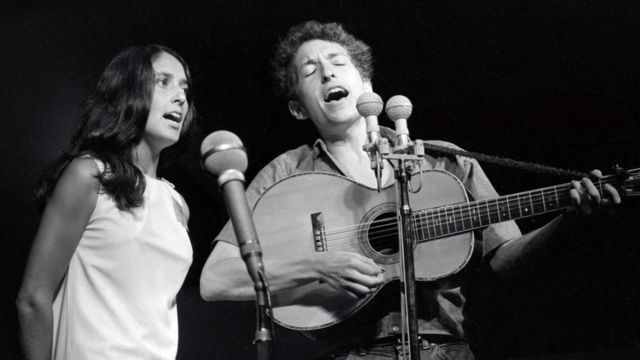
[{"x": 383, "y": 234}]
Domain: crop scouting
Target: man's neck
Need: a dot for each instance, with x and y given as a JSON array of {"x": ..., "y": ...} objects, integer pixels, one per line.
[
  {"x": 347, "y": 150},
  {"x": 346, "y": 146}
]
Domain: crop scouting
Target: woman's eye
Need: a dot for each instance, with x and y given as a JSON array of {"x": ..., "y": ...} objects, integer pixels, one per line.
[{"x": 162, "y": 81}]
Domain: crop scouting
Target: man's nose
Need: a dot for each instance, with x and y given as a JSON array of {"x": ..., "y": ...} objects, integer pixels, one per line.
[{"x": 327, "y": 73}]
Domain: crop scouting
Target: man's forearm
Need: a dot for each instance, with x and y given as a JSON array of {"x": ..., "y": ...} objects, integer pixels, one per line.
[{"x": 517, "y": 256}]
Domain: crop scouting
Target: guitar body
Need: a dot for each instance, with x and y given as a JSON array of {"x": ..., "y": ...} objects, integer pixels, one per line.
[{"x": 319, "y": 212}]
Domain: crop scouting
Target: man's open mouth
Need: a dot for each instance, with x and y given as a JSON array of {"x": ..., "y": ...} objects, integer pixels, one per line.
[{"x": 335, "y": 94}]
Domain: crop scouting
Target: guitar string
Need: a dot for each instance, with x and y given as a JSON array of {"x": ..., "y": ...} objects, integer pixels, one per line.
[
  {"x": 334, "y": 237},
  {"x": 338, "y": 240},
  {"x": 380, "y": 228},
  {"x": 435, "y": 217},
  {"x": 558, "y": 191},
  {"x": 436, "y": 212}
]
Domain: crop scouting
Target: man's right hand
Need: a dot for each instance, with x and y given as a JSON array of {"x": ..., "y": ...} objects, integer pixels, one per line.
[{"x": 353, "y": 273}]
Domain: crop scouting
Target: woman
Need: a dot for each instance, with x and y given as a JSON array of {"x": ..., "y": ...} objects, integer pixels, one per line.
[{"x": 112, "y": 249}]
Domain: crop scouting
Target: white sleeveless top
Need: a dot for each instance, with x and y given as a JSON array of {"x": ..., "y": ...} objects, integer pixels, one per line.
[{"x": 118, "y": 297}]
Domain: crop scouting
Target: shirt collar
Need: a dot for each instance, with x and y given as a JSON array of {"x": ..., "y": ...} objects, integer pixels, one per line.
[{"x": 320, "y": 146}]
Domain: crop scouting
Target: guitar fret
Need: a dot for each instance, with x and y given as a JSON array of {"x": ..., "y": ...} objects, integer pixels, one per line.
[
  {"x": 524, "y": 204},
  {"x": 453, "y": 219},
  {"x": 550, "y": 200},
  {"x": 470, "y": 226},
  {"x": 433, "y": 223},
  {"x": 426, "y": 225},
  {"x": 537, "y": 203},
  {"x": 503, "y": 212},
  {"x": 476, "y": 215},
  {"x": 449, "y": 220},
  {"x": 519, "y": 206},
  {"x": 446, "y": 219},
  {"x": 413, "y": 230},
  {"x": 415, "y": 223},
  {"x": 442, "y": 231},
  {"x": 421, "y": 225},
  {"x": 486, "y": 216},
  {"x": 494, "y": 211},
  {"x": 461, "y": 218},
  {"x": 544, "y": 200}
]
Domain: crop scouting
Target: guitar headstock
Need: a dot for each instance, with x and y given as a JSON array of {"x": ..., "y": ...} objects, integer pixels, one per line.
[{"x": 628, "y": 181}]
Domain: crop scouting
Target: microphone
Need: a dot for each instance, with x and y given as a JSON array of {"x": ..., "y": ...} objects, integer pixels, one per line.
[
  {"x": 399, "y": 109},
  {"x": 369, "y": 106},
  {"x": 224, "y": 156}
]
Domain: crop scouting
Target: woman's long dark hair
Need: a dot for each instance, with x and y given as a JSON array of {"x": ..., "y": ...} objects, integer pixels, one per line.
[{"x": 114, "y": 117}]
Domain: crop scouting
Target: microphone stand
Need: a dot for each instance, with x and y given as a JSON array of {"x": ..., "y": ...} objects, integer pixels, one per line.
[
  {"x": 407, "y": 242},
  {"x": 403, "y": 158},
  {"x": 264, "y": 327},
  {"x": 229, "y": 169},
  {"x": 251, "y": 253}
]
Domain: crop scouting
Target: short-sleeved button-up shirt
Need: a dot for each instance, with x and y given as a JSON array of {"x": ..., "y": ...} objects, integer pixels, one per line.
[{"x": 440, "y": 306}]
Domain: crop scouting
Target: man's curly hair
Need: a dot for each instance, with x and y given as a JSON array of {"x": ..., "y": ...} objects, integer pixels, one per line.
[{"x": 283, "y": 70}]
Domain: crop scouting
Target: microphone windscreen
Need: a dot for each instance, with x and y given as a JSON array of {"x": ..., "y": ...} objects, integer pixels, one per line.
[
  {"x": 221, "y": 151},
  {"x": 369, "y": 104},
  {"x": 398, "y": 107}
]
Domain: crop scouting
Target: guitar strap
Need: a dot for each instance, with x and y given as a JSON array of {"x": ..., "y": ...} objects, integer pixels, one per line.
[{"x": 522, "y": 165}]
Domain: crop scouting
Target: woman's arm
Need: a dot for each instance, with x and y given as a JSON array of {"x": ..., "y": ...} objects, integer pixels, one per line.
[{"x": 63, "y": 222}]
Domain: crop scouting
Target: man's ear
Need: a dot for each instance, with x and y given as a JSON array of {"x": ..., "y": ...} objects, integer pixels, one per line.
[{"x": 296, "y": 109}]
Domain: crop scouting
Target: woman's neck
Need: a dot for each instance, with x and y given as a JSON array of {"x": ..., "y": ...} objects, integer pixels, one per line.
[{"x": 146, "y": 159}]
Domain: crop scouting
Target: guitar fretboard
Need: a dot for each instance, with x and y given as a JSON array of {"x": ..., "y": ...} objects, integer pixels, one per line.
[{"x": 459, "y": 218}]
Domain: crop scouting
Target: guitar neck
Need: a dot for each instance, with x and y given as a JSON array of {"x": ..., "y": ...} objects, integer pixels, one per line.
[{"x": 459, "y": 218}]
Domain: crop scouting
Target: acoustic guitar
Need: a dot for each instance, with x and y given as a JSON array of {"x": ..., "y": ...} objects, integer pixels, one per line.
[{"x": 320, "y": 212}]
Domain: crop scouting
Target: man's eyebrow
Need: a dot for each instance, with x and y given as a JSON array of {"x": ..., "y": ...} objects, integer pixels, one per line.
[
  {"x": 311, "y": 61},
  {"x": 335, "y": 54}
]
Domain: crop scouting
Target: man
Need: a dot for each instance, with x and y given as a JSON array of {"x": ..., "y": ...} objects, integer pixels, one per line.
[{"x": 323, "y": 70}]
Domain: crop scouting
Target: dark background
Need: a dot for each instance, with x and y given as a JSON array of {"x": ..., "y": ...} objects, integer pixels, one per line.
[{"x": 552, "y": 82}]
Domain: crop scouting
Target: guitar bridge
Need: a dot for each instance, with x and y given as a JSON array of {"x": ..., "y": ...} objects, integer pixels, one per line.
[{"x": 319, "y": 238}]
